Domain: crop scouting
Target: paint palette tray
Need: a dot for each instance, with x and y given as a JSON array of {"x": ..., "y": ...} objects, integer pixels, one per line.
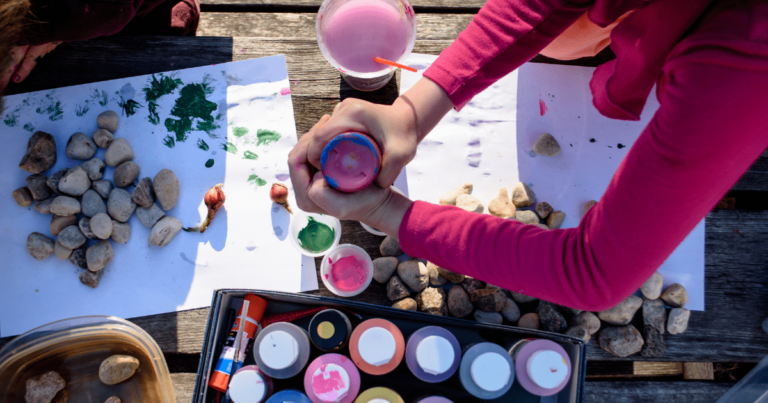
[{"x": 401, "y": 379}]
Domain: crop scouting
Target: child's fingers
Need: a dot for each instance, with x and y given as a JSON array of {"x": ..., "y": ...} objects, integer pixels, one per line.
[
  {"x": 17, "y": 55},
  {"x": 33, "y": 56}
]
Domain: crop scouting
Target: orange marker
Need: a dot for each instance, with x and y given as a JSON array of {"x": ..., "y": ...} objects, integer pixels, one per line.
[
  {"x": 220, "y": 374},
  {"x": 394, "y": 64}
]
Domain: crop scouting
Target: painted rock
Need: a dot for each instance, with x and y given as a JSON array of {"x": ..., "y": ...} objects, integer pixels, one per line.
[
  {"x": 144, "y": 194},
  {"x": 470, "y": 203},
  {"x": 621, "y": 341},
  {"x": 390, "y": 247},
  {"x": 117, "y": 368},
  {"x": 522, "y": 195},
  {"x": 23, "y": 197},
  {"x": 383, "y": 268},
  {"x": 459, "y": 304},
  {"x": 41, "y": 153},
  {"x": 678, "y": 320},
  {"x": 99, "y": 255},
  {"x": 166, "y": 188},
  {"x": 408, "y": 304},
  {"x": 555, "y": 219},
  {"x": 58, "y": 223},
  {"x": 622, "y": 313},
  {"x": 118, "y": 152},
  {"x": 121, "y": 231},
  {"x": 71, "y": 237},
  {"x": 543, "y": 209},
  {"x": 39, "y": 246},
  {"x": 108, "y": 120},
  {"x": 546, "y": 145},
  {"x": 510, "y": 311},
  {"x": 530, "y": 321},
  {"x": 92, "y": 203},
  {"x": 414, "y": 274},
  {"x": 432, "y": 300},
  {"x": 654, "y": 345},
  {"x": 449, "y": 199},
  {"x": 61, "y": 252},
  {"x": 101, "y": 225},
  {"x": 587, "y": 320},
  {"x": 103, "y": 188},
  {"x": 493, "y": 318},
  {"x": 164, "y": 231},
  {"x": 43, "y": 388},
  {"x": 75, "y": 182},
  {"x": 150, "y": 216},
  {"x": 396, "y": 290},
  {"x": 103, "y": 138},
  {"x": 94, "y": 167},
  {"x": 80, "y": 147},
  {"x": 675, "y": 296},
  {"x": 120, "y": 206},
  {"x": 37, "y": 186},
  {"x": 501, "y": 206},
  {"x": 64, "y": 206},
  {"x": 526, "y": 216}
]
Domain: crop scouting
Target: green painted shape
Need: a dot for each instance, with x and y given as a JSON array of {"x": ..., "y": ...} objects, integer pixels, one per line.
[
  {"x": 249, "y": 155},
  {"x": 229, "y": 147},
  {"x": 190, "y": 105},
  {"x": 157, "y": 88},
  {"x": 267, "y": 136},
  {"x": 11, "y": 119},
  {"x": 316, "y": 237},
  {"x": 28, "y": 127},
  {"x": 201, "y": 144},
  {"x": 169, "y": 142},
  {"x": 129, "y": 107},
  {"x": 101, "y": 97},
  {"x": 209, "y": 163},
  {"x": 239, "y": 131},
  {"x": 81, "y": 110},
  {"x": 254, "y": 179}
]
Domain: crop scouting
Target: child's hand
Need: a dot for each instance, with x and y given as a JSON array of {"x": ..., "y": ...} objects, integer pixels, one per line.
[
  {"x": 393, "y": 127},
  {"x": 24, "y": 59}
]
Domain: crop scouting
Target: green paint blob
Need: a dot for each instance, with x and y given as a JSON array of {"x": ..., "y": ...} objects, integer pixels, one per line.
[
  {"x": 254, "y": 179},
  {"x": 28, "y": 127},
  {"x": 101, "y": 97},
  {"x": 190, "y": 105},
  {"x": 239, "y": 131},
  {"x": 209, "y": 163},
  {"x": 248, "y": 155},
  {"x": 229, "y": 147},
  {"x": 267, "y": 136},
  {"x": 169, "y": 142},
  {"x": 157, "y": 88},
  {"x": 11, "y": 119},
  {"x": 316, "y": 237},
  {"x": 81, "y": 110},
  {"x": 201, "y": 144}
]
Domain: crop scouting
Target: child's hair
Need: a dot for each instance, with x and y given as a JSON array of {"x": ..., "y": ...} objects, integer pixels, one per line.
[{"x": 14, "y": 16}]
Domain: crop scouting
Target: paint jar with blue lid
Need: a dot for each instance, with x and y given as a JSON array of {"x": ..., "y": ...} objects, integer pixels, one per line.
[
  {"x": 289, "y": 396},
  {"x": 281, "y": 350},
  {"x": 350, "y": 161},
  {"x": 486, "y": 371},
  {"x": 433, "y": 354}
]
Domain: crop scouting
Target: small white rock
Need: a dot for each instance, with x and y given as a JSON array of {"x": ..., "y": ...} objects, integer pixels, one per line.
[
  {"x": 449, "y": 199},
  {"x": 108, "y": 120},
  {"x": 164, "y": 231},
  {"x": 118, "y": 152},
  {"x": 677, "y": 321},
  {"x": 101, "y": 225},
  {"x": 651, "y": 289},
  {"x": 470, "y": 203}
]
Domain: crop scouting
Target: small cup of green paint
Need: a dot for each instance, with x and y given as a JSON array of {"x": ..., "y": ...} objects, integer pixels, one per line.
[{"x": 314, "y": 234}]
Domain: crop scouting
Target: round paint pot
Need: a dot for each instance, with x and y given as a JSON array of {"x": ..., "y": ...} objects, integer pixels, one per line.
[
  {"x": 377, "y": 346},
  {"x": 433, "y": 354},
  {"x": 350, "y": 161},
  {"x": 332, "y": 378},
  {"x": 346, "y": 270},
  {"x": 314, "y": 234},
  {"x": 372, "y": 230},
  {"x": 486, "y": 371},
  {"x": 330, "y": 330},
  {"x": 433, "y": 399},
  {"x": 289, "y": 396},
  {"x": 379, "y": 395},
  {"x": 543, "y": 366},
  {"x": 249, "y": 385},
  {"x": 281, "y": 350}
]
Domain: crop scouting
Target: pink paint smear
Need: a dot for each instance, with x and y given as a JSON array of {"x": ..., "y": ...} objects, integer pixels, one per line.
[
  {"x": 348, "y": 274},
  {"x": 322, "y": 385},
  {"x": 542, "y": 107},
  {"x": 285, "y": 91}
]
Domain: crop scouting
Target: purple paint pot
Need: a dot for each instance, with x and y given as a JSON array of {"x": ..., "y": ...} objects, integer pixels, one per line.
[
  {"x": 350, "y": 162},
  {"x": 433, "y": 354},
  {"x": 543, "y": 367}
]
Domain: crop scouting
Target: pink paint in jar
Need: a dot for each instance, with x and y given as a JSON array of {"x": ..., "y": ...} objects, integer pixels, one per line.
[
  {"x": 350, "y": 161},
  {"x": 347, "y": 270}
]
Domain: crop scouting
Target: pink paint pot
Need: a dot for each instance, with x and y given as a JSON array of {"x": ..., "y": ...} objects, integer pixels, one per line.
[
  {"x": 346, "y": 270},
  {"x": 249, "y": 385},
  {"x": 543, "y": 367},
  {"x": 350, "y": 162},
  {"x": 332, "y": 378}
]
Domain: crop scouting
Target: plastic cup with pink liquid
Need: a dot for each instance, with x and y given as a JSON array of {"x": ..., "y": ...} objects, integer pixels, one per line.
[{"x": 351, "y": 33}]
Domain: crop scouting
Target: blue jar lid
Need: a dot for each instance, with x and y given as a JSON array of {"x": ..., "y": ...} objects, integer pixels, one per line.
[{"x": 289, "y": 396}]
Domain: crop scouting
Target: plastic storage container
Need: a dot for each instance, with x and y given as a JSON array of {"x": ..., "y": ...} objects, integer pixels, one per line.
[
  {"x": 751, "y": 388},
  {"x": 75, "y": 348}
]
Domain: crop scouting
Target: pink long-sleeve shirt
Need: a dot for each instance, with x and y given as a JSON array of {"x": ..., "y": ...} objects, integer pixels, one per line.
[{"x": 710, "y": 64}]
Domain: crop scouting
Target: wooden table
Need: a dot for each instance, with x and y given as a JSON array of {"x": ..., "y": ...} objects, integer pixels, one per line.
[{"x": 721, "y": 344}]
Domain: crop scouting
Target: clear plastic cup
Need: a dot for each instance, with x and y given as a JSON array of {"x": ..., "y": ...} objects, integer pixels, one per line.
[
  {"x": 342, "y": 251},
  {"x": 301, "y": 220},
  {"x": 351, "y": 33}
]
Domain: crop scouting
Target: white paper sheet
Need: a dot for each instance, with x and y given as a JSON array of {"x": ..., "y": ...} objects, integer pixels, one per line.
[
  {"x": 489, "y": 143},
  {"x": 246, "y": 245}
]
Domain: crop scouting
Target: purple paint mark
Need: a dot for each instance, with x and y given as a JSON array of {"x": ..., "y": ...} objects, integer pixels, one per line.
[
  {"x": 282, "y": 177},
  {"x": 474, "y": 143},
  {"x": 542, "y": 107},
  {"x": 473, "y": 160}
]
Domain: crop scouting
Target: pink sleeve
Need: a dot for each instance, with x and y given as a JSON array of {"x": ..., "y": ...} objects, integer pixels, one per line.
[
  {"x": 712, "y": 124},
  {"x": 501, "y": 37}
]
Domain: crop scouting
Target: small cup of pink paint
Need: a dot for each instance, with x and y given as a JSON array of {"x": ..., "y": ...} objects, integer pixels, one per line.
[{"x": 347, "y": 270}]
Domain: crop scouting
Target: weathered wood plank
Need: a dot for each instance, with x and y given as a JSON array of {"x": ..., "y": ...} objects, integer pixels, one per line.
[
  {"x": 703, "y": 371},
  {"x": 654, "y": 391},
  {"x": 644, "y": 368},
  {"x": 302, "y": 25},
  {"x": 184, "y": 386}
]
